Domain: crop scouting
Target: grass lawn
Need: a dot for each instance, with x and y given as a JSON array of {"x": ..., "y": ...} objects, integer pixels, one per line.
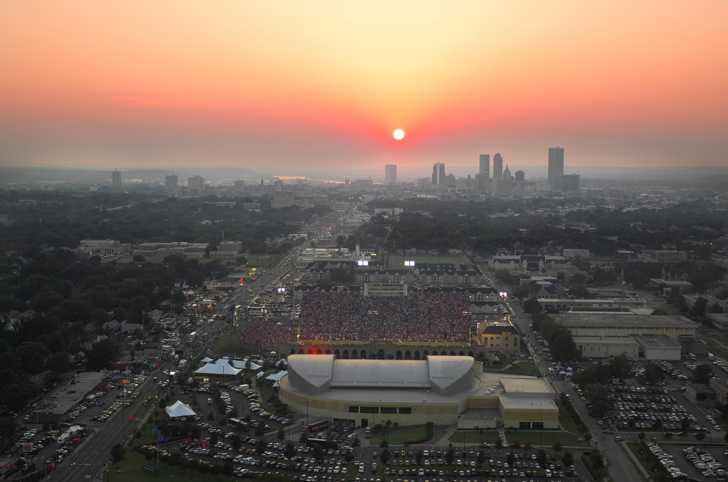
[
  {"x": 401, "y": 435},
  {"x": 131, "y": 469},
  {"x": 544, "y": 437},
  {"x": 566, "y": 419},
  {"x": 474, "y": 436}
]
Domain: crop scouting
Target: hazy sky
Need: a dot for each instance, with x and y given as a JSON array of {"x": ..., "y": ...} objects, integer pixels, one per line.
[{"x": 308, "y": 86}]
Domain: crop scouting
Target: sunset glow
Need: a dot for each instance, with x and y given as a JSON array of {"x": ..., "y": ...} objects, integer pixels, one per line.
[{"x": 278, "y": 85}]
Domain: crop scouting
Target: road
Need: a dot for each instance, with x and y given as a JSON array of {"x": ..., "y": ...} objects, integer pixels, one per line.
[
  {"x": 88, "y": 460},
  {"x": 619, "y": 465}
]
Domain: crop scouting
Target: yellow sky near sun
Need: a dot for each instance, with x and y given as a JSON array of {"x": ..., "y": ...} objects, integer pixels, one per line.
[{"x": 432, "y": 67}]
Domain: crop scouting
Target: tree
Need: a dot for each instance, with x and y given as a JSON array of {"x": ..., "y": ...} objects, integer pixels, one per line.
[
  {"x": 510, "y": 459},
  {"x": 259, "y": 429},
  {"x": 699, "y": 307},
  {"x": 557, "y": 447},
  {"x": 236, "y": 442},
  {"x": 385, "y": 455},
  {"x": 383, "y": 444},
  {"x": 532, "y": 306},
  {"x": 703, "y": 373},
  {"x": 281, "y": 434},
  {"x": 567, "y": 459},
  {"x": 598, "y": 397},
  {"x": 419, "y": 455},
  {"x": 102, "y": 353},
  {"x": 260, "y": 446},
  {"x": 32, "y": 356},
  {"x": 596, "y": 460},
  {"x": 621, "y": 367},
  {"x": 685, "y": 424},
  {"x": 653, "y": 374},
  {"x": 449, "y": 455},
  {"x": 641, "y": 436},
  {"x": 117, "y": 453},
  {"x": 290, "y": 450},
  {"x": 481, "y": 457},
  {"x": 541, "y": 457}
]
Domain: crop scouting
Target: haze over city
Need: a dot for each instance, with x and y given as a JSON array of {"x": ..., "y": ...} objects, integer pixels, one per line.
[
  {"x": 316, "y": 88},
  {"x": 374, "y": 241}
]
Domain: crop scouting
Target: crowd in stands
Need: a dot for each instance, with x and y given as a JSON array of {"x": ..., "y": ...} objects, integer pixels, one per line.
[
  {"x": 425, "y": 316},
  {"x": 262, "y": 333}
]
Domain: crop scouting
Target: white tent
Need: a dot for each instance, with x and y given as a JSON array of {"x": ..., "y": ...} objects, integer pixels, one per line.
[
  {"x": 207, "y": 359},
  {"x": 219, "y": 367},
  {"x": 242, "y": 364},
  {"x": 276, "y": 377},
  {"x": 179, "y": 409}
]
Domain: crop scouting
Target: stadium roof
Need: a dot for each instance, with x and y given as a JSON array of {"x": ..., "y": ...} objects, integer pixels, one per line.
[{"x": 318, "y": 372}]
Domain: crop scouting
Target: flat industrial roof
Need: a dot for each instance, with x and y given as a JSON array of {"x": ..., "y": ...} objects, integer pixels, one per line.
[
  {"x": 526, "y": 385},
  {"x": 607, "y": 340},
  {"x": 618, "y": 320},
  {"x": 519, "y": 403},
  {"x": 657, "y": 341}
]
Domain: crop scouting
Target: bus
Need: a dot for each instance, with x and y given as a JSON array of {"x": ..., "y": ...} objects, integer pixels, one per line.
[{"x": 319, "y": 426}]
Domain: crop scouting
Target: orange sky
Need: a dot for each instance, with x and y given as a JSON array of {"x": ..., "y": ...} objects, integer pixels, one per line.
[{"x": 290, "y": 86}]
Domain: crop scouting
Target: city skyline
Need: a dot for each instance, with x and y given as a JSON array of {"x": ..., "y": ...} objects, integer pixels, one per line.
[{"x": 290, "y": 89}]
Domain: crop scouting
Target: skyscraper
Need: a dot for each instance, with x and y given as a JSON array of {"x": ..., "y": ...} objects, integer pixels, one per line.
[
  {"x": 390, "y": 174},
  {"x": 171, "y": 182},
  {"x": 556, "y": 167},
  {"x": 197, "y": 183},
  {"x": 116, "y": 180},
  {"x": 497, "y": 166},
  {"x": 484, "y": 168},
  {"x": 438, "y": 173}
]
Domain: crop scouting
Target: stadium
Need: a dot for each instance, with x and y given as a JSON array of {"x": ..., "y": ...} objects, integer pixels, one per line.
[{"x": 444, "y": 390}]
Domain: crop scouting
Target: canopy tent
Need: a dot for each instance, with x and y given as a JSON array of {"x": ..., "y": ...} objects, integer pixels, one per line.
[
  {"x": 276, "y": 377},
  {"x": 219, "y": 367},
  {"x": 179, "y": 409}
]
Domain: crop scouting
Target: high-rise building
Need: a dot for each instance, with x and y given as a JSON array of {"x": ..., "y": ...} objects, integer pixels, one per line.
[
  {"x": 390, "y": 174},
  {"x": 196, "y": 183},
  {"x": 556, "y": 167},
  {"x": 116, "y": 180},
  {"x": 497, "y": 166},
  {"x": 484, "y": 167},
  {"x": 520, "y": 176},
  {"x": 171, "y": 182},
  {"x": 438, "y": 173}
]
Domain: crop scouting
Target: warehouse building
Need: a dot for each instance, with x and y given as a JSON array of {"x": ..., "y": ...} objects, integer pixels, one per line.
[
  {"x": 598, "y": 324},
  {"x": 607, "y": 347},
  {"x": 439, "y": 389}
]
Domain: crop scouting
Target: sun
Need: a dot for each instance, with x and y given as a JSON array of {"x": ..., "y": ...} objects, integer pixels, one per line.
[{"x": 398, "y": 134}]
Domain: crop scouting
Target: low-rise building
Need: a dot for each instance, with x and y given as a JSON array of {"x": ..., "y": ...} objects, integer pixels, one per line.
[{"x": 607, "y": 346}]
